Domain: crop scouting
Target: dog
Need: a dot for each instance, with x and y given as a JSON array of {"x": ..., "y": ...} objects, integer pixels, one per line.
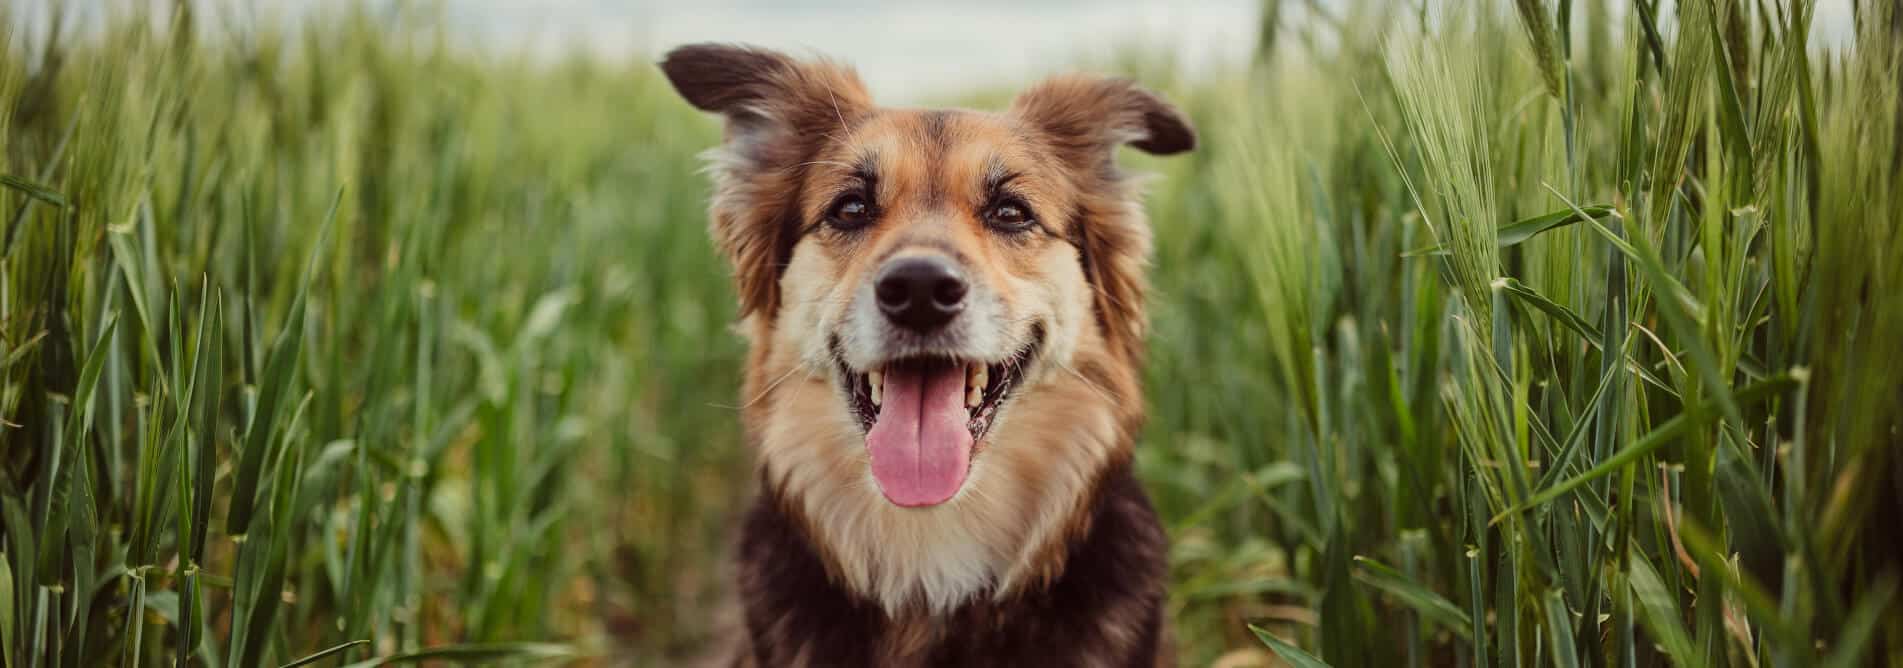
[{"x": 945, "y": 313}]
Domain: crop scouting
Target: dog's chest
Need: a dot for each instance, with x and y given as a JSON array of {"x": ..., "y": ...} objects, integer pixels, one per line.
[{"x": 1105, "y": 609}]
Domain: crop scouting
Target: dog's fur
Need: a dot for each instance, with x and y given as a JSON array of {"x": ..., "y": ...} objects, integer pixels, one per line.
[{"x": 1049, "y": 554}]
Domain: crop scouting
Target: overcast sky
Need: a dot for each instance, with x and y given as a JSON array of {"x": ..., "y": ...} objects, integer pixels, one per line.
[
  {"x": 909, "y": 51},
  {"x": 912, "y": 49},
  {"x": 904, "y": 49}
]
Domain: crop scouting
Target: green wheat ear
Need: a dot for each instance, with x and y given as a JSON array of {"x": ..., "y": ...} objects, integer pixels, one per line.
[
  {"x": 1537, "y": 20},
  {"x": 1439, "y": 93}
]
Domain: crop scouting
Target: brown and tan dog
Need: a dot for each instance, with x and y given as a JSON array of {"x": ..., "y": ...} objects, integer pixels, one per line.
[{"x": 945, "y": 309}]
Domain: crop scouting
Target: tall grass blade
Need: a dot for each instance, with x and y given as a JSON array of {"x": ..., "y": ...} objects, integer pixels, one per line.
[
  {"x": 34, "y": 190},
  {"x": 1287, "y": 652},
  {"x": 1671, "y": 429},
  {"x": 325, "y": 653},
  {"x": 1853, "y": 643},
  {"x": 280, "y": 365},
  {"x": 1520, "y": 231},
  {"x": 1428, "y": 604},
  {"x": 1559, "y": 630},
  {"x": 473, "y": 653}
]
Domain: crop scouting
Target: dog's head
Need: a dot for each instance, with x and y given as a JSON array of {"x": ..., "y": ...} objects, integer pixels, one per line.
[
  {"x": 928, "y": 290},
  {"x": 935, "y": 265}
]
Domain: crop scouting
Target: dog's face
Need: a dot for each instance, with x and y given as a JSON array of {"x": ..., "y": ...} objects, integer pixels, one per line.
[
  {"x": 931, "y": 283},
  {"x": 920, "y": 283}
]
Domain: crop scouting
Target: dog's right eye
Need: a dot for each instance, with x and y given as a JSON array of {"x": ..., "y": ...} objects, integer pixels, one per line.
[{"x": 851, "y": 212}]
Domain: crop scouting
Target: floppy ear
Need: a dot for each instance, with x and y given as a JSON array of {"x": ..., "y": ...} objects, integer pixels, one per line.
[
  {"x": 1083, "y": 119},
  {"x": 1087, "y": 117},
  {"x": 778, "y": 112}
]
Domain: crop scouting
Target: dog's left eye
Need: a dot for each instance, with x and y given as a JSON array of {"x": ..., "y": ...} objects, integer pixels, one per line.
[
  {"x": 1009, "y": 216},
  {"x": 850, "y": 213}
]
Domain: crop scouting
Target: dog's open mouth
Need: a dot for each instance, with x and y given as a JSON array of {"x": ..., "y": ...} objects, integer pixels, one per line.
[{"x": 923, "y": 415}]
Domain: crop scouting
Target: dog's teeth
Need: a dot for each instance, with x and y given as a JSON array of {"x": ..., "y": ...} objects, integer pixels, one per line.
[
  {"x": 976, "y": 377},
  {"x": 877, "y": 381}
]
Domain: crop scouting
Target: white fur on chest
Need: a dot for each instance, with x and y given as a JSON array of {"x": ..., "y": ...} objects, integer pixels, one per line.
[{"x": 940, "y": 556}]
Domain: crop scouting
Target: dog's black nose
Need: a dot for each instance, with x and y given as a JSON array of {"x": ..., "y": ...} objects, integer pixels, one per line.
[{"x": 920, "y": 293}]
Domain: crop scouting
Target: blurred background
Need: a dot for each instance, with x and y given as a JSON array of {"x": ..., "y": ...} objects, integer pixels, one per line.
[
  {"x": 909, "y": 52},
  {"x": 1544, "y": 331}
]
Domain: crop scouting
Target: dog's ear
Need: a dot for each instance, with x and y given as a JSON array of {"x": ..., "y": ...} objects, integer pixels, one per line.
[
  {"x": 1086, "y": 117},
  {"x": 763, "y": 91},
  {"x": 1083, "y": 119},
  {"x": 778, "y": 113}
]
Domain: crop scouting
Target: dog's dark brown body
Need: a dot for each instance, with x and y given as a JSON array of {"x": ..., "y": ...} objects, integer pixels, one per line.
[
  {"x": 1106, "y": 609},
  {"x": 945, "y": 313}
]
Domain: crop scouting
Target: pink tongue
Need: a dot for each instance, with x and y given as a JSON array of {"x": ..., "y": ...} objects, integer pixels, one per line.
[{"x": 919, "y": 443}]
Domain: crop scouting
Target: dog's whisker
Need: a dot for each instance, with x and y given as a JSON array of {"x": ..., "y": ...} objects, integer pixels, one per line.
[
  {"x": 1105, "y": 394},
  {"x": 836, "y": 113},
  {"x": 826, "y": 299},
  {"x": 834, "y": 163},
  {"x": 769, "y": 388},
  {"x": 1107, "y": 295}
]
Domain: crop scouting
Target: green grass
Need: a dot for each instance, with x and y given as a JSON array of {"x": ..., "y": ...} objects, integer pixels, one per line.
[{"x": 1530, "y": 335}]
